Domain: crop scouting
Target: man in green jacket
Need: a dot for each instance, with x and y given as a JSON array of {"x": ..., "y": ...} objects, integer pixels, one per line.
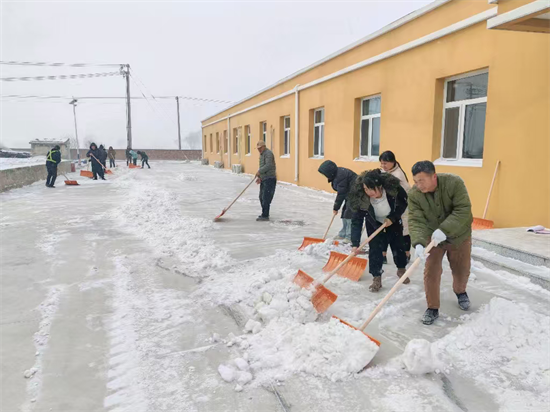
[
  {"x": 440, "y": 210},
  {"x": 266, "y": 178}
]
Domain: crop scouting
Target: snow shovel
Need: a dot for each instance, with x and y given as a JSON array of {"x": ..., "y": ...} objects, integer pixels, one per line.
[
  {"x": 107, "y": 171},
  {"x": 313, "y": 240},
  {"x": 482, "y": 223},
  {"x": 356, "y": 266},
  {"x": 377, "y": 309},
  {"x": 323, "y": 298},
  {"x": 70, "y": 182},
  {"x": 234, "y": 200},
  {"x": 86, "y": 173}
]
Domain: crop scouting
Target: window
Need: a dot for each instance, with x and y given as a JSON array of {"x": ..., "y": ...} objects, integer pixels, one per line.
[
  {"x": 264, "y": 131},
  {"x": 369, "y": 142},
  {"x": 236, "y": 140},
  {"x": 211, "y": 146},
  {"x": 248, "y": 138},
  {"x": 319, "y": 133},
  {"x": 286, "y": 137},
  {"x": 218, "y": 142},
  {"x": 464, "y": 108},
  {"x": 225, "y": 141}
]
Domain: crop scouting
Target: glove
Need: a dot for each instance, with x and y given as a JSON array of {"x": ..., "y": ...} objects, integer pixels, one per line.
[
  {"x": 438, "y": 236},
  {"x": 419, "y": 250}
]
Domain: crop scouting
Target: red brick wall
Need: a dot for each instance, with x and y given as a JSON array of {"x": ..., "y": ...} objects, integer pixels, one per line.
[{"x": 154, "y": 154}]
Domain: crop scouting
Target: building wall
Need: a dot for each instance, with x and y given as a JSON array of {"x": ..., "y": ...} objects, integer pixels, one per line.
[
  {"x": 517, "y": 127},
  {"x": 42, "y": 149}
]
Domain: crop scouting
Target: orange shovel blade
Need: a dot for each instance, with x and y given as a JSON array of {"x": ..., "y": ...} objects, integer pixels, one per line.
[
  {"x": 351, "y": 326},
  {"x": 482, "y": 224},
  {"x": 86, "y": 173},
  {"x": 109, "y": 172},
  {"x": 353, "y": 270},
  {"x": 302, "y": 279},
  {"x": 71, "y": 182},
  {"x": 312, "y": 241},
  {"x": 323, "y": 298},
  {"x": 220, "y": 215}
]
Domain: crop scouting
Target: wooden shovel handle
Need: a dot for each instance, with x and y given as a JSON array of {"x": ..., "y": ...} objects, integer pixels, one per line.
[
  {"x": 407, "y": 274},
  {"x": 240, "y": 194},
  {"x": 329, "y": 225},
  {"x": 352, "y": 255},
  {"x": 491, "y": 190},
  {"x": 98, "y": 161}
]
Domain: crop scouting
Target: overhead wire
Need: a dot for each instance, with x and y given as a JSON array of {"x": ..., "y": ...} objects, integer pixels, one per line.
[
  {"x": 20, "y": 63},
  {"x": 59, "y": 77}
]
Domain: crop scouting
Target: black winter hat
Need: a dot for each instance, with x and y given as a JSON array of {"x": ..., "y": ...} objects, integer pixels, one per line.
[{"x": 329, "y": 169}]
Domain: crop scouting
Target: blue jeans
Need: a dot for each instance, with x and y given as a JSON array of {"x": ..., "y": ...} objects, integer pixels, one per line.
[{"x": 346, "y": 229}]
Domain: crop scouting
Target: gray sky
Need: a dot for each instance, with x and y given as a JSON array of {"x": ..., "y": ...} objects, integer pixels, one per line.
[{"x": 222, "y": 50}]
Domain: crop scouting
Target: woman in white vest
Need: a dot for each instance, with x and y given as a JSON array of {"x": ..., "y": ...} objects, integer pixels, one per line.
[{"x": 388, "y": 164}]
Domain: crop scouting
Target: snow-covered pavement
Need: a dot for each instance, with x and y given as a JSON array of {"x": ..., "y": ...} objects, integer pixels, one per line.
[{"x": 125, "y": 296}]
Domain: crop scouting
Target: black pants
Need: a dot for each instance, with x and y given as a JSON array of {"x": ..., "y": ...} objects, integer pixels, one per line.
[
  {"x": 406, "y": 241},
  {"x": 112, "y": 162},
  {"x": 97, "y": 169},
  {"x": 145, "y": 162},
  {"x": 267, "y": 191},
  {"x": 393, "y": 236},
  {"x": 135, "y": 161},
  {"x": 128, "y": 161},
  {"x": 52, "y": 173}
]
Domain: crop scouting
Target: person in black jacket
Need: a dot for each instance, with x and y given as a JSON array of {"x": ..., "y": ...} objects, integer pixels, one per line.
[
  {"x": 379, "y": 198},
  {"x": 53, "y": 158},
  {"x": 144, "y": 158},
  {"x": 96, "y": 155},
  {"x": 341, "y": 180}
]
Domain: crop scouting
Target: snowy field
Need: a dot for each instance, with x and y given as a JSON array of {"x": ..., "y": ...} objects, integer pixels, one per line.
[
  {"x": 124, "y": 295},
  {"x": 13, "y": 162}
]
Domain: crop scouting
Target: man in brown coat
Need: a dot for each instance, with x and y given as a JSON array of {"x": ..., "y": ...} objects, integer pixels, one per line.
[{"x": 440, "y": 210}]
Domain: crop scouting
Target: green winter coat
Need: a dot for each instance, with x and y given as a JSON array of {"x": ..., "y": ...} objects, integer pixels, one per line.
[
  {"x": 448, "y": 209},
  {"x": 267, "y": 165}
]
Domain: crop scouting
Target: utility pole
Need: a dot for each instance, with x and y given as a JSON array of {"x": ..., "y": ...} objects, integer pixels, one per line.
[
  {"x": 125, "y": 69},
  {"x": 179, "y": 129},
  {"x": 74, "y": 102}
]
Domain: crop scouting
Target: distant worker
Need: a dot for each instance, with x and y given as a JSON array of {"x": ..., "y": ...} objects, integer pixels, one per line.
[
  {"x": 144, "y": 158},
  {"x": 128, "y": 157},
  {"x": 103, "y": 158},
  {"x": 112, "y": 156},
  {"x": 97, "y": 167},
  {"x": 53, "y": 158},
  {"x": 266, "y": 178},
  {"x": 134, "y": 157},
  {"x": 440, "y": 210},
  {"x": 341, "y": 180}
]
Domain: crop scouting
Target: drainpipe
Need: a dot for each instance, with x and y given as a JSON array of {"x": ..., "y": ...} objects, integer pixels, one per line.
[
  {"x": 229, "y": 142},
  {"x": 296, "y": 128}
]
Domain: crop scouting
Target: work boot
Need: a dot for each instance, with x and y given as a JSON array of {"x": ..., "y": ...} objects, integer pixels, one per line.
[
  {"x": 463, "y": 301},
  {"x": 385, "y": 260},
  {"x": 103, "y": 178},
  {"x": 376, "y": 284},
  {"x": 430, "y": 316},
  {"x": 401, "y": 272},
  {"x": 262, "y": 219}
]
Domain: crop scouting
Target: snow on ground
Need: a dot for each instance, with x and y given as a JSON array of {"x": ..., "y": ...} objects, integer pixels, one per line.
[
  {"x": 177, "y": 312},
  {"x": 13, "y": 162}
]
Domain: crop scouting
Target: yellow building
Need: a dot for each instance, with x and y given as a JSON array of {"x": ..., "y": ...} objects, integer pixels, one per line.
[{"x": 462, "y": 83}]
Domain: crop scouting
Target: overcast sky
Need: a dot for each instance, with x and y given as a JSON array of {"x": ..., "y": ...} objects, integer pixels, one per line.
[{"x": 211, "y": 50}]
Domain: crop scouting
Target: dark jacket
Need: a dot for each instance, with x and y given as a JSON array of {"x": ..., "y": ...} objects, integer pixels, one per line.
[
  {"x": 97, "y": 155},
  {"x": 448, "y": 209},
  {"x": 143, "y": 155},
  {"x": 128, "y": 155},
  {"x": 341, "y": 180},
  {"x": 267, "y": 165},
  {"x": 103, "y": 152},
  {"x": 53, "y": 157},
  {"x": 397, "y": 199}
]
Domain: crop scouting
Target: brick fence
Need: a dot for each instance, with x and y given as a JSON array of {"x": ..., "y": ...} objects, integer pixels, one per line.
[{"x": 154, "y": 154}]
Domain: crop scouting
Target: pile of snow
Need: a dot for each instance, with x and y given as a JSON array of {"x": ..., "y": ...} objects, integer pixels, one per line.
[
  {"x": 14, "y": 162},
  {"x": 419, "y": 358},
  {"x": 331, "y": 350}
]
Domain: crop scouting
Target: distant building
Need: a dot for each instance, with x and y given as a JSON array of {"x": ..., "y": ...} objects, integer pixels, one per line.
[{"x": 42, "y": 147}]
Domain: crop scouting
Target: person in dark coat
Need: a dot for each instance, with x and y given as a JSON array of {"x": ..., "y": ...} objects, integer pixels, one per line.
[
  {"x": 341, "y": 180},
  {"x": 96, "y": 154},
  {"x": 144, "y": 158},
  {"x": 112, "y": 156},
  {"x": 379, "y": 198},
  {"x": 53, "y": 158},
  {"x": 128, "y": 157}
]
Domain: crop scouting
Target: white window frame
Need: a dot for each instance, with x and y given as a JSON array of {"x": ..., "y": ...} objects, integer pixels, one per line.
[
  {"x": 368, "y": 157},
  {"x": 286, "y": 136},
  {"x": 218, "y": 143},
  {"x": 264, "y": 132},
  {"x": 248, "y": 141},
  {"x": 321, "y": 139},
  {"x": 459, "y": 160},
  {"x": 236, "y": 141}
]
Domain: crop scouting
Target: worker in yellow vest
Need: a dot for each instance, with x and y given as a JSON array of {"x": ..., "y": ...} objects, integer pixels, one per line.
[{"x": 53, "y": 158}]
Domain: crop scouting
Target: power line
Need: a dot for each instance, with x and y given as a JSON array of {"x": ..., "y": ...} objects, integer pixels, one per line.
[
  {"x": 60, "y": 77},
  {"x": 19, "y": 63},
  {"x": 198, "y": 99}
]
